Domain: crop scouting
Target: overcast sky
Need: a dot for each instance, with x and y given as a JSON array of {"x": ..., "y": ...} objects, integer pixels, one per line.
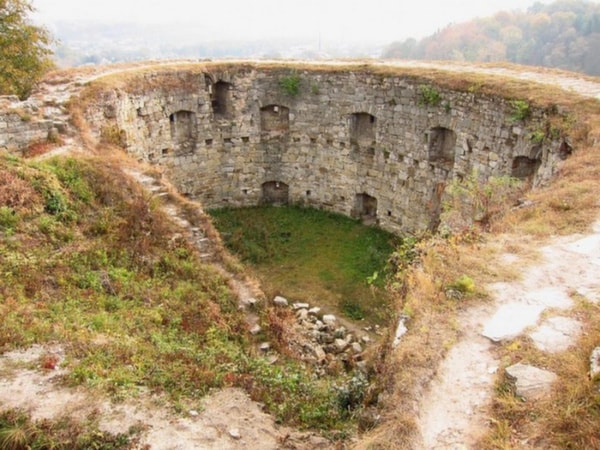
[{"x": 343, "y": 20}]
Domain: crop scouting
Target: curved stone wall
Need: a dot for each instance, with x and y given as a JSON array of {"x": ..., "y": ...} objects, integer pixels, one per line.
[{"x": 366, "y": 144}]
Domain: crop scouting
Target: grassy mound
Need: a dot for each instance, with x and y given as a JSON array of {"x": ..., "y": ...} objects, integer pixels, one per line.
[{"x": 91, "y": 263}]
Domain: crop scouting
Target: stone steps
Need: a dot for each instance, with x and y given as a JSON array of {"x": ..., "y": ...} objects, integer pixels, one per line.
[{"x": 193, "y": 234}]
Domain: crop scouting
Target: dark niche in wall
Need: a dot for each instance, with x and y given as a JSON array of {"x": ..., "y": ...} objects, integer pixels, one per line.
[
  {"x": 565, "y": 150},
  {"x": 274, "y": 118},
  {"x": 362, "y": 129},
  {"x": 221, "y": 99},
  {"x": 275, "y": 193},
  {"x": 183, "y": 129},
  {"x": 365, "y": 207},
  {"x": 441, "y": 143},
  {"x": 524, "y": 167}
]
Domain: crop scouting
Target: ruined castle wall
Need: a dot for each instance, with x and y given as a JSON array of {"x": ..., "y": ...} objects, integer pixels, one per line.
[
  {"x": 20, "y": 126},
  {"x": 354, "y": 142}
]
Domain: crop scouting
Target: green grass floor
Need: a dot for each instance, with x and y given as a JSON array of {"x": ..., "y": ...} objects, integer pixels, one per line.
[{"x": 313, "y": 256}]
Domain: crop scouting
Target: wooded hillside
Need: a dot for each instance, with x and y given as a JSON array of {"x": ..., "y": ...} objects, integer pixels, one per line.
[{"x": 564, "y": 34}]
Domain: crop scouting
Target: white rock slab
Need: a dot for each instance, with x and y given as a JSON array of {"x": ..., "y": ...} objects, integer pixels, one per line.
[
  {"x": 510, "y": 320},
  {"x": 556, "y": 334},
  {"x": 591, "y": 294},
  {"x": 400, "y": 331},
  {"x": 588, "y": 246},
  {"x": 531, "y": 382},
  {"x": 549, "y": 297}
]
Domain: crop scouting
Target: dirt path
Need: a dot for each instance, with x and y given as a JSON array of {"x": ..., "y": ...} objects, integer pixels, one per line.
[
  {"x": 226, "y": 419},
  {"x": 538, "y": 305}
]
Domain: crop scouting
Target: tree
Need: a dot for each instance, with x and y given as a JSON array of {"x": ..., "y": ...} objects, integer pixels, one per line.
[
  {"x": 24, "y": 49},
  {"x": 562, "y": 34}
]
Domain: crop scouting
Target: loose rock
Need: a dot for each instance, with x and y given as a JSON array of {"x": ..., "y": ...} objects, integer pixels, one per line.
[
  {"x": 400, "y": 331},
  {"x": 297, "y": 306},
  {"x": 234, "y": 433},
  {"x": 302, "y": 314},
  {"x": 356, "y": 347},
  {"x": 329, "y": 319},
  {"x": 265, "y": 347},
  {"x": 531, "y": 382},
  {"x": 314, "y": 311},
  {"x": 280, "y": 301},
  {"x": 340, "y": 345}
]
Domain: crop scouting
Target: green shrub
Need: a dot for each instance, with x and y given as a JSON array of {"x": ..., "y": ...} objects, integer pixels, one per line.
[
  {"x": 352, "y": 309},
  {"x": 429, "y": 96},
  {"x": 537, "y": 137},
  {"x": 55, "y": 203},
  {"x": 70, "y": 174},
  {"x": 351, "y": 394},
  {"x": 521, "y": 110},
  {"x": 290, "y": 84},
  {"x": 8, "y": 218},
  {"x": 463, "y": 285},
  {"x": 473, "y": 201}
]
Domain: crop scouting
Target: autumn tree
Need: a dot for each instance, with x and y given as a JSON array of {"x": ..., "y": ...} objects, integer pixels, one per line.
[
  {"x": 563, "y": 34},
  {"x": 24, "y": 49}
]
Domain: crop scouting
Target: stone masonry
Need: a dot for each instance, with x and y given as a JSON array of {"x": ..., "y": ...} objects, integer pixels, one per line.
[
  {"x": 356, "y": 142},
  {"x": 22, "y": 126}
]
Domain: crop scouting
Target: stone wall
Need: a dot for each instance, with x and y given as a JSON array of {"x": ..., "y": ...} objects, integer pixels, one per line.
[
  {"x": 21, "y": 126},
  {"x": 354, "y": 142}
]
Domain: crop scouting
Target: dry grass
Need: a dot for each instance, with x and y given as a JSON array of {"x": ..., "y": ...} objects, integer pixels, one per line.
[
  {"x": 40, "y": 148},
  {"x": 160, "y": 76},
  {"x": 569, "y": 205},
  {"x": 405, "y": 371},
  {"x": 16, "y": 193},
  {"x": 195, "y": 215},
  {"x": 569, "y": 419}
]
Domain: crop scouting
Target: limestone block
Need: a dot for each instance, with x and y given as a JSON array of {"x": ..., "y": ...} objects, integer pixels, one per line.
[
  {"x": 510, "y": 320},
  {"x": 356, "y": 348},
  {"x": 556, "y": 334},
  {"x": 531, "y": 382},
  {"x": 329, "y": 319},
  {"x": 280, "y": 301},
  {"x": 340, "y": 345}
]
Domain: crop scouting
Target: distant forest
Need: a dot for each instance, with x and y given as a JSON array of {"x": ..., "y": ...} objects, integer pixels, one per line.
[{"x": 564, "y": 34}]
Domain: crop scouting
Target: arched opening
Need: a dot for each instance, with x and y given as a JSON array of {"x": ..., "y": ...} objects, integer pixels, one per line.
[
  {"x": 365, "y": 207},
  {"x": 183, "y": 129},
  {"x": 275, "y": 193},
  {"x": 442, "y": 143},
  {"x": 274, "y": 118},
  {"x": 362, "y": 129},
  {"x": 524, "y": 167},
  {"x": 221, "y": 99}
]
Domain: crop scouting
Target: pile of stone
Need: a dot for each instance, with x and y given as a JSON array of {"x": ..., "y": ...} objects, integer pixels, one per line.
[{"x": 320, "y": 339}]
